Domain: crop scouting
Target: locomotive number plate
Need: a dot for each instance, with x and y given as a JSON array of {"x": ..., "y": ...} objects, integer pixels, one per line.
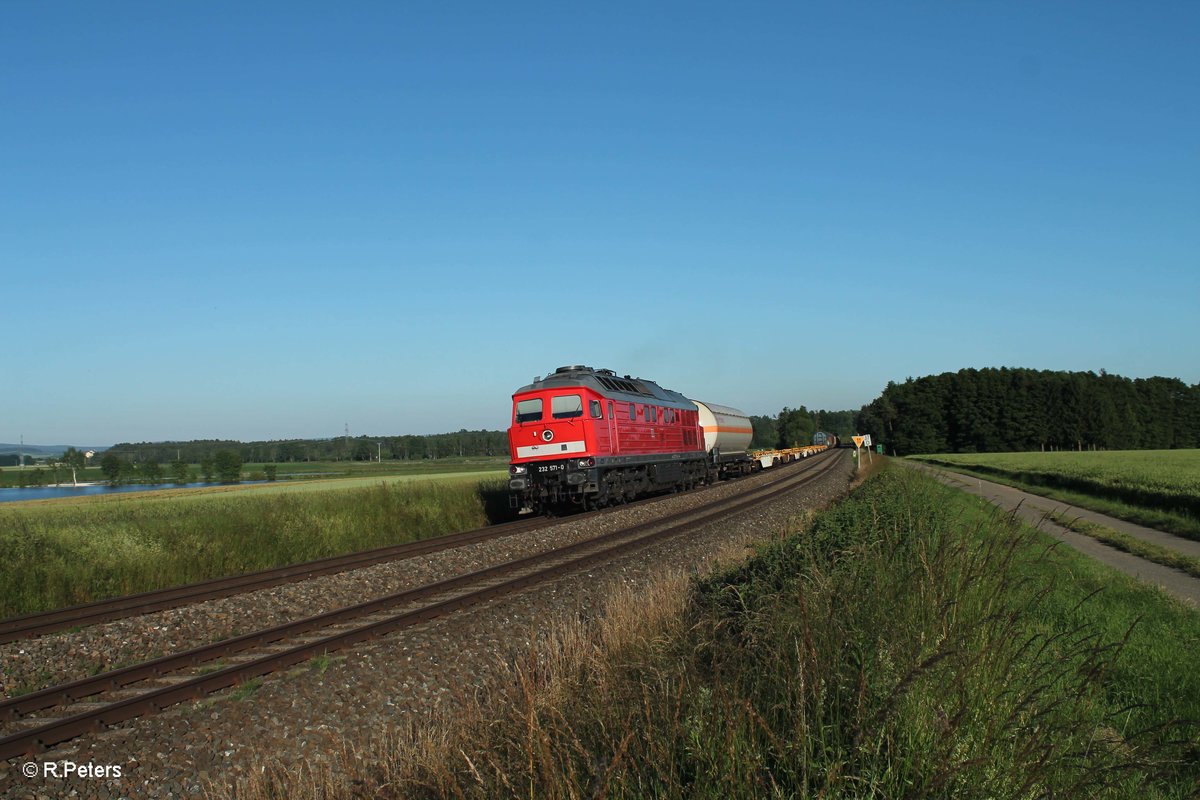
[{"x": 551, "y": 467}]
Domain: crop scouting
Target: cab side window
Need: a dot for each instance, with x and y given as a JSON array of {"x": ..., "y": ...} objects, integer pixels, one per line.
[{"x": 596, "y": 409}]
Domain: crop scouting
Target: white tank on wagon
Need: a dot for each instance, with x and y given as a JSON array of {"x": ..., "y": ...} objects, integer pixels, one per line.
[{"x": 725, "y": 429}]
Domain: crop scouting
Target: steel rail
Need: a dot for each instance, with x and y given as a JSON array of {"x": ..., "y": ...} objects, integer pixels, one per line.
[
  {"x": 36, "y": 624},
  {"x": 39, "y": 738}
]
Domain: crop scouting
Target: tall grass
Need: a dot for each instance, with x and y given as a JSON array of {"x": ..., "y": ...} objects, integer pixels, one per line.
[
  {"x": 58, "y": 555},
  {"x": 909, "y": 644}
]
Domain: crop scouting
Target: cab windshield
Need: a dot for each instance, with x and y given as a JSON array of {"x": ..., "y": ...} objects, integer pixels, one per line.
[
  {"x": 529, "y": 410},
  {"x": 565, "y": 406}
]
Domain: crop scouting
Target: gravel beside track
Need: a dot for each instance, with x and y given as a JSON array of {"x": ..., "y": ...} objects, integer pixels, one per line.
[{"x": 356, "y": 694}]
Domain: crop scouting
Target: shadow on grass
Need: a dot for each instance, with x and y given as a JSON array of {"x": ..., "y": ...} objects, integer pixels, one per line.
[{"x": 493, "y": 496}]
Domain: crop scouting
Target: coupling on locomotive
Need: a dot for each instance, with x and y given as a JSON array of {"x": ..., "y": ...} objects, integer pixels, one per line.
[{"x": 588, "y": 438}]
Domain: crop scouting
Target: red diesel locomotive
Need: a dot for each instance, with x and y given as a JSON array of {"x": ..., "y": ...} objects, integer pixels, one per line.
[{"x": 587, "y": 438}]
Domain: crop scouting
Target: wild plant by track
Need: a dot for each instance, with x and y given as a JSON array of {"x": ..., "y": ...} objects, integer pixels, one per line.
[{"x": 137, "y": 690}]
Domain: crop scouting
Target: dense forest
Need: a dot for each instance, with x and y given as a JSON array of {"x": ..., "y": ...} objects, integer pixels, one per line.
[{"x": 995, "y": 410}]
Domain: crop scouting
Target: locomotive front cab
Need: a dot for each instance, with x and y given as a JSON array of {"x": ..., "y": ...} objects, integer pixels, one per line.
[
  {"x": 587, "y": 438},
  {"x": 552, "y": 447}
]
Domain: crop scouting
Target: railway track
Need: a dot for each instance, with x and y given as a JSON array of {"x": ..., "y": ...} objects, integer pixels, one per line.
[
  {"x": 38, "y": 624},
  {"x": 30, "y": 625},
  {"x": 34, "y": 722}
]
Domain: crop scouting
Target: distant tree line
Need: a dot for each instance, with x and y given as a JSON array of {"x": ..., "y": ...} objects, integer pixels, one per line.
[
  {"x": 359, "y": 448},
  {"x": 55, "y": 469},
  {"x": 224, "y": 465},
  {"x": 789, "y": 428},
  {"x": 995, "y": 410}
]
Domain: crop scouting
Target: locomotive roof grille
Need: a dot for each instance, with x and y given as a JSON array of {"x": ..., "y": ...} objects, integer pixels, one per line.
[
  {"x": 618, "y": 385},
  {"x": 581, "y": 375}
]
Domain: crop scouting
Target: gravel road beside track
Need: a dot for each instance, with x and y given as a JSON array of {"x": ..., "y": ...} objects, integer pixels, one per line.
[
  {"x": 1036, "y": 509},
  {"x": 360, "y": 693}
]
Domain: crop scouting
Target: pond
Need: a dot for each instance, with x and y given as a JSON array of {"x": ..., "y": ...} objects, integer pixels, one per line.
[{"x": 83, "y": 490}]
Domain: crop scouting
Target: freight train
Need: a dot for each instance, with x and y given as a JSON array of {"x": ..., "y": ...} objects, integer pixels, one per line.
[
  {"x": 587, "y": 438},
  {"x": 825, "y": 439}
]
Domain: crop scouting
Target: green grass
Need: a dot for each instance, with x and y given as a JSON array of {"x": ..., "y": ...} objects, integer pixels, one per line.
[
  {"x": 58, "y": 553},
  {"x": 244, "y": 691},
  {"x": 346, "y": 483},
  {"x": 431, "y": 466},
  {"x": 1130, "y": 544},
  {"x": 913, "y": 643},
  {"x": 1156, "y": 488},
  {"x": 319, "y": 664}
]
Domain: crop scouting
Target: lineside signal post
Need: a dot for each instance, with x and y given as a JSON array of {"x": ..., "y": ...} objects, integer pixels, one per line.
[{"x": 859, "y": 443}]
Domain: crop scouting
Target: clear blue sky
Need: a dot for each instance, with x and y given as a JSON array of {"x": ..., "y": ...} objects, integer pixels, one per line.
[{"x": 267, "y": 220}]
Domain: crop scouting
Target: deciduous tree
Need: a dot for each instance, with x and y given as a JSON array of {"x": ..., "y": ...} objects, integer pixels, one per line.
[
  {"x": 110, "y": 465},
  {"x": 228, "y": 465}
]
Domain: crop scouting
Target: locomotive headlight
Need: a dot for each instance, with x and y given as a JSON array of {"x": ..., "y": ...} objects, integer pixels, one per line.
[
  {"x": 587, "y": 462},
  {"x": 518, "y": 469}
]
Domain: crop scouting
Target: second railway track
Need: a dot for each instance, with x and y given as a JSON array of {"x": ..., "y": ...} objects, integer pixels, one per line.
[
  {"x": 29, "y": 625},
  {"x": 113, "y": 697}
]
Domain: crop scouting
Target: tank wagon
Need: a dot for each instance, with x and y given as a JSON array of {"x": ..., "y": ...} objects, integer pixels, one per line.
[{"x": 587, "y": 438}]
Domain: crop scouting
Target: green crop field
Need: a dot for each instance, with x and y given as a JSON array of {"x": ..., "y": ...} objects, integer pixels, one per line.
[
  {"x": 55, "y": 553},
  {"x": 1159, "y": 488}
]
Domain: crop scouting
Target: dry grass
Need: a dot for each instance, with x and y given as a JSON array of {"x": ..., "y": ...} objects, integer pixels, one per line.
[{"x": 441, "y": 756}]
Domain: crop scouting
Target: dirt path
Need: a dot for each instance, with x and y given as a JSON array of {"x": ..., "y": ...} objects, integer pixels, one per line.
[{"x": 1035, "y": 509}]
